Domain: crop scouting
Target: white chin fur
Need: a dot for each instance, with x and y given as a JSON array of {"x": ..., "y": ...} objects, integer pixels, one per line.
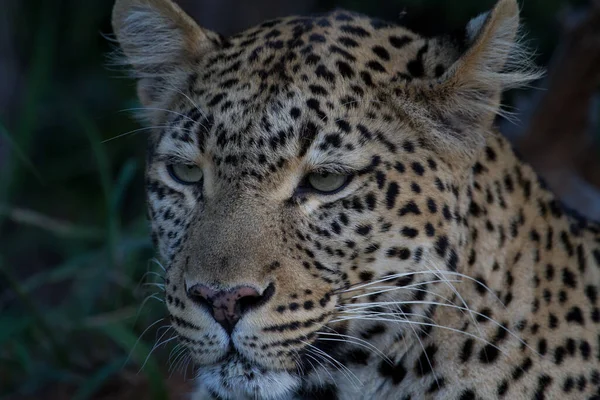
[{"x": 270, "y": 385}]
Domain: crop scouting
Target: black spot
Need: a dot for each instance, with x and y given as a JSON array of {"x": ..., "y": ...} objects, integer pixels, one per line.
[
  {"x": 467, "y": 395},
  {"x": 409, "y": 232},
  {"x": 592, "y": 293},
  {"x": 431, "y": 205},
  {"x": 345, "y": 70},
  {"x": 441, "y": 245},
  {"x": 418, "y": 168},
  {"x": 569, "y": 278},
  {"x": 324, "y": 73},
  {"x": 466, "y": 350},
  {"x": 552, "y": 321},
  {"x": 318, "y": 90},
  {"x": 366, "y": 276},
  {"x": 575, "y": 315},
  {"x": 489, "y": 354},
  {"x": 315, "y": 37},
  {"x": 375, "y": 66},
  {"x": 381, "y": 52},
  {"x": 585, "y": 349},
  {"x": 426, "y": 361},
  {"x": 502, "y": 388},
  {"x": 542, "y": 346},
  {"x": 415, "y": 67},
  {"x": 391, "y": 195},
  {"x": 395, "y": 372},
  {"x": 429, "y": 230},
  {"x": 399, "y": 42},
  {"x": 363, "y": 230},
  {"x": 520, "y": 370},
  {"x": 295, "y": 112},
  {"x": 366, "y": 77},
  {"x": 348, "y": 42},
  {"x": 543, "y": 382},
  {"x": 355, "y": 30}
]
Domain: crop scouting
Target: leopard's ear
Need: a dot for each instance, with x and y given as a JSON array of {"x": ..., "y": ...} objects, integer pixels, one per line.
[
  {"x": 159, "y": 40},
  {"x": 464, "y": 100}
]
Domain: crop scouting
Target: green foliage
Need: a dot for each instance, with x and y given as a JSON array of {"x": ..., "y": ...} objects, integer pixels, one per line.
[{"x": 74, "y": 242}]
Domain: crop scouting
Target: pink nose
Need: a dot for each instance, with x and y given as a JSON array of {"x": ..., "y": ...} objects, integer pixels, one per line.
[{"x": 228, "y": 306}]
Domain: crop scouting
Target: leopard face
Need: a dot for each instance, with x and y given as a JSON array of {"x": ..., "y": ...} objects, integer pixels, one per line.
[{"x": 313, "y": 190}]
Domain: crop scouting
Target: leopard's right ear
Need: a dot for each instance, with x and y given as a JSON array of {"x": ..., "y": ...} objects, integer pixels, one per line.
[{"x": 160, "y": 41}]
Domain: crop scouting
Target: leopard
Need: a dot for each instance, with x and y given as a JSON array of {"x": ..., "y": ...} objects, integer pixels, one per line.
[{"x": 339, "y": 217}]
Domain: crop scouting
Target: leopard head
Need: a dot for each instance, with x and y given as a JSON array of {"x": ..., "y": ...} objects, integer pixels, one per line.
[{"x": 303, "y": 179}]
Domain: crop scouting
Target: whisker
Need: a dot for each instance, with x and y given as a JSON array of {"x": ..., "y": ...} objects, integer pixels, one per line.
[
  {"x": 155, "y": 261},
  {"x": 457, "y": 294},
  {"x": 385, "y": 289},
  {"x": 156, "y": 346},
  {"x": 341, "y": 368},
  {"x": 322, "y": 355},
  {"x": 384, "y": 279},
  {"x": 404, "y": 314},
  {"x": 425, "y": 302},
  {"x": 202, "y": 113},
  {"x": 132, "y": 132},
  {"x": 414, "y": 323},
  {"x": 160, "y": 286},
  {"x": 361, "y": 285},
  {"x": 156, "y": 109},
  {"x": 140, "y": 337},
  {"x": 357, "y": 341},
  {"x": 173, "y": 363},
  {"x": 152, "y": 273},
  {"x": 322, "y": 366}
]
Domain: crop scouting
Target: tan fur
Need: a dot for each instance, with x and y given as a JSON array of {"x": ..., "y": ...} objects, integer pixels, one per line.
[{"x": 425, "y": 276}]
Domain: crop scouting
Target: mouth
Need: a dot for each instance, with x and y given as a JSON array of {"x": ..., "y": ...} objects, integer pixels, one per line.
[{"x": 235, "y": 377}]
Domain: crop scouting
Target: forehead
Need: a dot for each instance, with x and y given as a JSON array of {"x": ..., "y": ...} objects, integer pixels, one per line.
[
  {"x": 277, "y": 89},
  {"x": 334, "y": 49}
]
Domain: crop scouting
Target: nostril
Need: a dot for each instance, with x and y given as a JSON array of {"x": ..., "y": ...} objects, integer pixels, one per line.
[
  {"x": 202, "y": 296},
  {"x": 250, "y": 301}
]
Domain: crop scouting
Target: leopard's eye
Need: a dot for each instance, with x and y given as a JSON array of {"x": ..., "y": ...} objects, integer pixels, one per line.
[
  {"x": 185, "y": 174},
  {"x": 327, "y": 183}
]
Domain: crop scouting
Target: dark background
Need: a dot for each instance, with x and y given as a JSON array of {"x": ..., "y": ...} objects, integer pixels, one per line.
[{"x": 77, "y": 280}]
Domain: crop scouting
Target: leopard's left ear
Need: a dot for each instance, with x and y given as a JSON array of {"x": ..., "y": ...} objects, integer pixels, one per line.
[
  {"x": 160, "y": 41},
  {"x": 466, "y": 97}
]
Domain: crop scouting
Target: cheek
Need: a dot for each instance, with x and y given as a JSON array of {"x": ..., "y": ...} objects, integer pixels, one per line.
[{"x": 169, "y": 222}]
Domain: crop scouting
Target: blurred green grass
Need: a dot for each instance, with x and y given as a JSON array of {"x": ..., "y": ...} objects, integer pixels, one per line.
[{"x": 74, "y": 243}]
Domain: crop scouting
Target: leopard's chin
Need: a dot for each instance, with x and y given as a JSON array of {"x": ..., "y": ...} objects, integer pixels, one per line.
[{"x": 237, "y": 378}]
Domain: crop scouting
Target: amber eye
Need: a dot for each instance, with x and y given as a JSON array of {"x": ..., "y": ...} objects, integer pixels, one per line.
[
  {"x": 185, "y": 174},
  {"x": 327, "y": 183}
]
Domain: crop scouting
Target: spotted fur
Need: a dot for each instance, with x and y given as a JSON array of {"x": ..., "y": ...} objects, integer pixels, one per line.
[{"x": 443, "y": 270}]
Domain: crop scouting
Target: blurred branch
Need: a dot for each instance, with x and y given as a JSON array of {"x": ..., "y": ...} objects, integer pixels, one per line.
[
  {"x": 110, "y": 318},
  {"x": 56, "y": 226},
  {"x": 558, "y": 135}
]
